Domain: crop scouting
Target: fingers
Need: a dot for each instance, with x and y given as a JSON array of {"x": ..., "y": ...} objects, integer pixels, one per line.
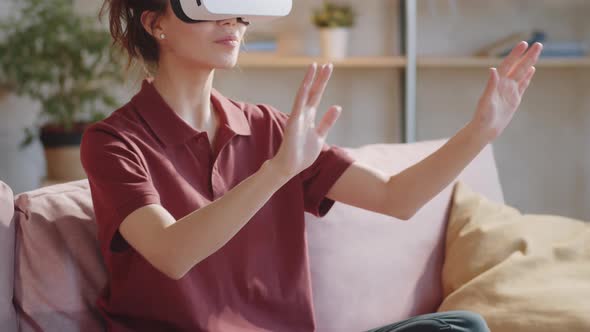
[
  {"x": 303, "y": 92},
  {"x": 317, "y": 90},
  {"x": 524, "y": 84},
  {"x": 328, "y": 121},
  {"x": 512, "y": 58},
  {"x": 492, "y": 83},
  {"x": 316, "y": 93},
  {"x": 531, "y": 57}
]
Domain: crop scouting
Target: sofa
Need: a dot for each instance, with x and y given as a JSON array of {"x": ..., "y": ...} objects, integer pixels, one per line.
[{"x": 367, "y": 269}]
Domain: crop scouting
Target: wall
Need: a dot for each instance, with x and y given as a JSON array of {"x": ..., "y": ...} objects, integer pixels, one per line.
[{"x": 542, "y": 159}]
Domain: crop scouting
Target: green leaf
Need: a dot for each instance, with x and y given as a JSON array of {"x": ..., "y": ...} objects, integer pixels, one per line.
[
  {"x": 59, "y": 58},
  {"x": 28, "y": 139},
  {"x": 334, "y": 15}
]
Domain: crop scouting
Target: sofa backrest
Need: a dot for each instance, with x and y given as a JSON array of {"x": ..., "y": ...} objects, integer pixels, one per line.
[
  {"x": 59, "y": 271},
  {"x": 7, "y": 314},
  {"x": 367, "y": 269},
  {"x": 370, "y": 270}
]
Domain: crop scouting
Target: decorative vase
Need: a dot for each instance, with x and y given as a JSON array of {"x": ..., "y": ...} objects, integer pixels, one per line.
[{"x": 334, "y": 42}]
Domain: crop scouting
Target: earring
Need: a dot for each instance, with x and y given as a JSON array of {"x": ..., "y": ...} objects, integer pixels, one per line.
[{"x": 162, "y": 36}]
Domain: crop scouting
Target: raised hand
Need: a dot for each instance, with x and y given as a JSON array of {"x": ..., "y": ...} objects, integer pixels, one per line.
[
  {"x": 505, "y": 89},
  {"x": 303, "y": 141}
]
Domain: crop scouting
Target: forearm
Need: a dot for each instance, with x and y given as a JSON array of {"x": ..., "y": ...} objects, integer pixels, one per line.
[
  {"x": 204, "y": 231},
  {"x": 417, "y": 185}
]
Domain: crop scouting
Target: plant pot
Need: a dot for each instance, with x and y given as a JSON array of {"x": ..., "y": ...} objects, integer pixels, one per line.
[
  {"x": 62, "y": 152},
  {"x": 334, "y": 42}
]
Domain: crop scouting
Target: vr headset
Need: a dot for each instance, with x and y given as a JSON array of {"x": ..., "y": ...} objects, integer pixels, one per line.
[{"x": 194, "y": 11}]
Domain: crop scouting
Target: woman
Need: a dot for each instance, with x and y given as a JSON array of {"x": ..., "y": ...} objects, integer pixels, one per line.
[{"x": 200, "y": 199}]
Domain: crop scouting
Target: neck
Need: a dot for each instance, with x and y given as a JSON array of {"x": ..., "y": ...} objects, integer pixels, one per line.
[{"x": 187, "y": 90}]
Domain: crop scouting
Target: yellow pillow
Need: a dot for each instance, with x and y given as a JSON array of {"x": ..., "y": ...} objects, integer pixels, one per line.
[{"x": 521, "y": 272}]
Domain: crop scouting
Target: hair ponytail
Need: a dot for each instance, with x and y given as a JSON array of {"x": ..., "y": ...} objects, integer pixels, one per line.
[{"x": 128, "y": 32}]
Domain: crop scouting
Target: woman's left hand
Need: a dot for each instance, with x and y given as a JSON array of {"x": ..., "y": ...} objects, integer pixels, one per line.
[{"x": 505, "y": 88}]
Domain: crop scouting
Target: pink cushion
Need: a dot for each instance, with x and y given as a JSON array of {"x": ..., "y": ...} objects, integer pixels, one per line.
[
  {"x": 7, "y": 315},
  {"x": 59, "y": 272},
  {"x": 368, "y": 269}
]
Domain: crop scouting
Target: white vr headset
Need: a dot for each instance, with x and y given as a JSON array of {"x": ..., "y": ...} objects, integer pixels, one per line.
[{"x": 194, "y": 11}]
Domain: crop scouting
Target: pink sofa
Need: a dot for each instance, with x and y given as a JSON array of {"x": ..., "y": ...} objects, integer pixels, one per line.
[{"x": 367, "y": 269}]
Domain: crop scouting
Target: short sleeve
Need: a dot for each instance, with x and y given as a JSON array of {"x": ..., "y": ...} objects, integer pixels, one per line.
[
  {"x": 119, "y": 182},
  {"x": 318, "y": 179}
]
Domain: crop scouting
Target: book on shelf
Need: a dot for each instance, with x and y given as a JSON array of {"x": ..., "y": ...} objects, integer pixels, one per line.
[
  {"x": 260, "y": 46},
  {"x": 564, "y": 49},
  {"x": 260, "y": 43},
  {"x": 502, "y": 47}
]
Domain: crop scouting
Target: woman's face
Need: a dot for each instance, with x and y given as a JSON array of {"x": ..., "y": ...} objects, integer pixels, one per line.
[{"x": 212, "y": 44}]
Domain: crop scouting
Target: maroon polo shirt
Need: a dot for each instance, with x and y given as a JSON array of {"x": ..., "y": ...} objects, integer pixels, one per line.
[{"x": 144, "y": 153}]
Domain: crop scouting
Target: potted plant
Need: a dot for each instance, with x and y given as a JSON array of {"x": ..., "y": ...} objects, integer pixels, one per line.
[
  {"x": 61, "y": 59},
  {"x": 334, "y": 22}
]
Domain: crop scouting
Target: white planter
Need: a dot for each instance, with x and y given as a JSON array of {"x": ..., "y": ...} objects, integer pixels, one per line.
[{"x": 334, "y": 42}]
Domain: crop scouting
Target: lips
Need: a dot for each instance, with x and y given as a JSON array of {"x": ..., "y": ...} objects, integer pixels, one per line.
[{"x": 227, "y": 39}]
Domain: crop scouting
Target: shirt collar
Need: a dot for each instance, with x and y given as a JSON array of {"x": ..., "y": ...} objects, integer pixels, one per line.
[{"x": 171, "y": 129}]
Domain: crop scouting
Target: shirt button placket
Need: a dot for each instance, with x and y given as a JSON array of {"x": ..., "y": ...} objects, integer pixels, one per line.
[{"x": 215, "y": 180}]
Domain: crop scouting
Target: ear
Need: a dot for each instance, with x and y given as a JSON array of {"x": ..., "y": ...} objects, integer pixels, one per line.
[{"x": 151, "y": 23}]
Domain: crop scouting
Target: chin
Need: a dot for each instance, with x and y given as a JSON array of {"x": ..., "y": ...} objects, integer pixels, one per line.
[{"x": 226, "y": 63}]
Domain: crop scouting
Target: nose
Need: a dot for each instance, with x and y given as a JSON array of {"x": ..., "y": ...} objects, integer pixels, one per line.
[{"x": 229, "y": 21}]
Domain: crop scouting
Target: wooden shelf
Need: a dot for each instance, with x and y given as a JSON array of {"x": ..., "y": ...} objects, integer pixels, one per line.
[
  {"x": 276, "y": 61},
  {"x": 468, "y": 62}
]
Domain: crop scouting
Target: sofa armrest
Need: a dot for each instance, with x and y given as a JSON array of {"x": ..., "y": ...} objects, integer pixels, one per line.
[{"x": 7, "y": 314}]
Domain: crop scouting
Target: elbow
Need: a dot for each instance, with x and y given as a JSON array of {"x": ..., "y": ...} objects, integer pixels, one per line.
[
  {"x": 167, "y": 268},
  {"x": 175, "y": 266},
  {"x": 408, "y": 213},
  {"x": 169, "y": 265},
  {"x": 400, "y": 213},
  {"x": 393, "y": 203},
  {"x": 397, "y": 211},
  {"x": 176, "y": 261},
  {"x": 172, "y": 272},
  {"x": 175, "y": 276},
  {"x": 407, "y": 216}
]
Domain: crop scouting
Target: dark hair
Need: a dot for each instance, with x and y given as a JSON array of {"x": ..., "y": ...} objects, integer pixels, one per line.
[{"x": 128, "y": 32}]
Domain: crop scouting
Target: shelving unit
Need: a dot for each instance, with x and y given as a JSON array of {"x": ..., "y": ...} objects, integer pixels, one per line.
[
  {"x": 405, "y": 65},
  {"x": 275, "y": 61},
  {"x": 470, "y": 62},
  {"x": 374, "y": 71},
  {"x": 428, "y": 87}
]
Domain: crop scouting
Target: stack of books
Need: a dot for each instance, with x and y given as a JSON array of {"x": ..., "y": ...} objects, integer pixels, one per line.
[{"x": 502, "y": 47}]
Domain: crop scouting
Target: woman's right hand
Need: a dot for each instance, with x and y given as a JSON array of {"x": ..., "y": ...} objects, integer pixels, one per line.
[{"x": 302, "y": 140}]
